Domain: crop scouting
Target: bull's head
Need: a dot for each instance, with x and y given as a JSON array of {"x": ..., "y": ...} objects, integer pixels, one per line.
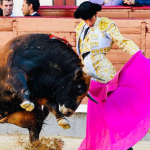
[{"x": 76, "y": 91}]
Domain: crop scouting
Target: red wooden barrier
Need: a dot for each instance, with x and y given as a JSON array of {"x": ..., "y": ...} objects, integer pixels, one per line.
[
  {"x": 64, "y": 2},
  {"x": 58, "y": 2},
  {"x": 70, "y": 2}
]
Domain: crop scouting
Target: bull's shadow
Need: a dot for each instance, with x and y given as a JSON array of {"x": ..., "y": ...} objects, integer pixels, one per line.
[{"x": 45, "y": 72}]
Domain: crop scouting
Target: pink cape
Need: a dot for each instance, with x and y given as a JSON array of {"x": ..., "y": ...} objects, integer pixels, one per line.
[{"x": 122, "y": 116}]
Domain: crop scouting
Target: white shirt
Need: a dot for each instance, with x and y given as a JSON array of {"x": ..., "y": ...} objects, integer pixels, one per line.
[
  {"x": 33, "y": 13},
  {"x": 12, "y": 15}
]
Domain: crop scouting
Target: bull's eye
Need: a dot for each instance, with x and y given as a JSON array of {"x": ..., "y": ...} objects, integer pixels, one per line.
[
  {"x": 79, "y": 89},
  {"x": 79, "y": 86}
]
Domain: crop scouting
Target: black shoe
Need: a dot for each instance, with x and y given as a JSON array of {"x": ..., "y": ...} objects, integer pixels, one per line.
[{"x": 130, "y": 148}]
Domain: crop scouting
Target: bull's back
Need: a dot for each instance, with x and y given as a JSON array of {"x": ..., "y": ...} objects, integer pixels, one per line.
[
  {"x": 19, "y": 45},
  {"x": 36, "y": 49},
  {"x": 41, "y": 50}
]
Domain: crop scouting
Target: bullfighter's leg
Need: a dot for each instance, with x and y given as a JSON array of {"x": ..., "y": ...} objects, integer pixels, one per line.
[
  {"x": 61, "y": 120},
  {"x": 31, "y": 120},
  {"x": 130, "y": 148},
  {"x": 17, "y": 79}
]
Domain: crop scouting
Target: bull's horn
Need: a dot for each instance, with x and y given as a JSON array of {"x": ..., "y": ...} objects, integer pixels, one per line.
[
  {"x": 91, "y": 74},
  {"x": 91, "y": 98}
]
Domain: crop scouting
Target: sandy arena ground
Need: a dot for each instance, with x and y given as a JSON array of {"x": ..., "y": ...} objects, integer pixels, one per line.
[{"x": 18, "y": 142}]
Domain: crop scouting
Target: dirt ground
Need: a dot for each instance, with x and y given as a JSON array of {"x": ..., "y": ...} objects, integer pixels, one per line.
[{"x": 20, "y": 142}]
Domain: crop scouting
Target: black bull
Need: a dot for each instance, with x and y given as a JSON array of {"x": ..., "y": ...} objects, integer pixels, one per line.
[{"x": 46, "y": 71}]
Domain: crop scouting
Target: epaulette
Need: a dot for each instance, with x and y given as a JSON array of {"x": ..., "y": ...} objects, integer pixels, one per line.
[
  {"x": 104, "y": 23},
  {"x": 79, "y": 26}
]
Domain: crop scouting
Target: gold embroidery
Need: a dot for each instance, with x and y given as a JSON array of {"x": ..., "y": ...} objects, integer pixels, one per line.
[
  {"x": 103, "y": 67},
  {"x": 103, "y": 35},
  {"x": 92, "y": 29},
  {"x": 104, "y": 24},
  {"x": 94, "y": 36},
  {"x": 79, "y": 26},
  {"x": 84, "y": 50},
  {"x": 86, "y": 38},
  {"x": 101, "y": 50},
  {"x": 94, "y": 44},
  {"x": 126, "y": 45}
]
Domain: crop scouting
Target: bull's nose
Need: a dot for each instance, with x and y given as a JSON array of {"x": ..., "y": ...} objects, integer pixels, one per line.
[
  {"x": 69, "y": 113},
  {"x": 66, "y": 111}
]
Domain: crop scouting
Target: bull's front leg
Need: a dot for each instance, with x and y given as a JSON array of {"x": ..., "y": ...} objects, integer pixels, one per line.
[
  {"x": 17, "y": 79},
  {"x": 61, "y": 120}
]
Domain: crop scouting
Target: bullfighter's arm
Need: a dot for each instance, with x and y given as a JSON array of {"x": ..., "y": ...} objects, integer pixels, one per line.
[{"x": 126, "y": 45}]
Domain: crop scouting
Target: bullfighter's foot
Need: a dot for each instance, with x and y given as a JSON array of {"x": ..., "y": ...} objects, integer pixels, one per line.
[
  {"x": 27, "y": 105},
  {"x": 130, "y": 148},
  {"x": 64, "y": 123}
]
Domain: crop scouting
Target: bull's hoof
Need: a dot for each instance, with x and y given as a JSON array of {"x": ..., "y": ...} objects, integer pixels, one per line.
[
  {"x": 63, "y": 123},
  {"x": 30, "y": 108},
  {"x": 27, "y": 105}
]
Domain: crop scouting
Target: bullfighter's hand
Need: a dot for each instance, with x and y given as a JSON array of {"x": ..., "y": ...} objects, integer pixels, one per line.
[{"x": 143, "y": 52}]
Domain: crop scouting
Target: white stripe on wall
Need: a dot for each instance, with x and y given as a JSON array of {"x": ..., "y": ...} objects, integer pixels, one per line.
[
  {"x": 82, "y": 109},
  {"x": 78, "y": 2}
]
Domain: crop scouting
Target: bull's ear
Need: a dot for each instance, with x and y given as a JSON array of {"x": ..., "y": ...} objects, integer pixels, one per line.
[{"x": 77, "y": 73}]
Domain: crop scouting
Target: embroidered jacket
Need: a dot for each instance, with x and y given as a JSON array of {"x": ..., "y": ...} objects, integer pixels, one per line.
[{"x": 98, "y": 42}]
